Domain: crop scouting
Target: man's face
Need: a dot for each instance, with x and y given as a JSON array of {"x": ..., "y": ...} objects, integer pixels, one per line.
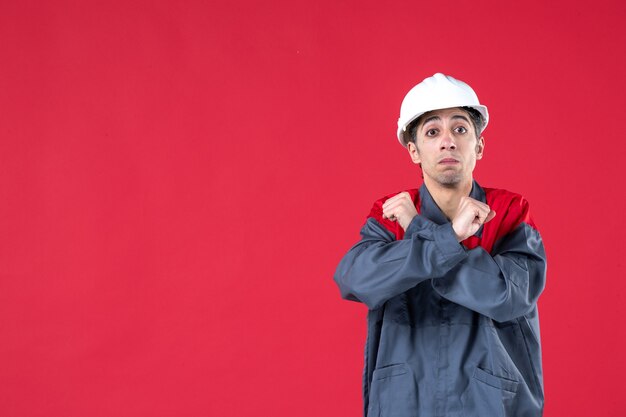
[{"x": 446, "y": 147}]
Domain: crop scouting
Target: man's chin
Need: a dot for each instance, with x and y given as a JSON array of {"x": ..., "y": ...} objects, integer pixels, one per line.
[{"x": 449, "y": 181}]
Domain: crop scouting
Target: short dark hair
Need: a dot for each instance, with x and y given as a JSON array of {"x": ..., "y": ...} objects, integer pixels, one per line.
[{"x": 476, "y": 118}]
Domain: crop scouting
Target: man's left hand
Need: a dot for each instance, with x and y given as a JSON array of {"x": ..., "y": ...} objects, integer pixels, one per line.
[{"x": 400, "y": 208}]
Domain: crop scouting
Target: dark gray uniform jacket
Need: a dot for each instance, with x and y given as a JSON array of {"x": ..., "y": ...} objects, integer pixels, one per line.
[{"x": 452, "y": 328}]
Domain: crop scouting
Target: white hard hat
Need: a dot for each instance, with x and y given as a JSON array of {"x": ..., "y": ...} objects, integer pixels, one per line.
[{"x": 437, "y": 92}]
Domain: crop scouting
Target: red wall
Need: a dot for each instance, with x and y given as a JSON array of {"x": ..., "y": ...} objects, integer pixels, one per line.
[{"x": 178, "y": 180}]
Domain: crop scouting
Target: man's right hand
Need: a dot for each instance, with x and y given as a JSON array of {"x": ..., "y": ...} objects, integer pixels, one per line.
[{"x": 470, "y": 215}]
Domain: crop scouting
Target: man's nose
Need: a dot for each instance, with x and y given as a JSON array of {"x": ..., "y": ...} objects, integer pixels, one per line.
[{"x": 447, "y": 141}]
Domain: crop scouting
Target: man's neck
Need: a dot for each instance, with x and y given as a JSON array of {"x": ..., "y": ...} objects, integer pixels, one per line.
[{"x": 448, "y": 198}]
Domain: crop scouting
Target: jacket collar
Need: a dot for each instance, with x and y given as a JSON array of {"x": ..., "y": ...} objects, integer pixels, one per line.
[{"x": 430, "y": 209}]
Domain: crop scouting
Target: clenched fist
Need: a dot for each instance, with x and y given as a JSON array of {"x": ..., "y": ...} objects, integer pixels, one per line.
[
  {"x": 470, "y": 215},
  {"x": 400, "y": 208}
]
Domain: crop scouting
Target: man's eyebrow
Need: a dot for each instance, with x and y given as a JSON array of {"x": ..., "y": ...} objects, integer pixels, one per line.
[
  {"x": 438, "y": 119},
  {"x": 458, "y": 116},
  {"x": 430, "y": 119}
]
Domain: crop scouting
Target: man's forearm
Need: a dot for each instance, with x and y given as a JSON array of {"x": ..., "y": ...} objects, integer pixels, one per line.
[{"x": 379, "y": 267}]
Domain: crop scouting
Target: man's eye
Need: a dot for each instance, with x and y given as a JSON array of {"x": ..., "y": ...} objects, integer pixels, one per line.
[
  {"x": 461, "y": 129},
  {"x": 431, "y": 132}
]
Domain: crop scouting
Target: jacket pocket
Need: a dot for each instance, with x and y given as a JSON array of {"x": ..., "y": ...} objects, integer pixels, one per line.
[
  {"x": 393, "y": 392},
  {"x": 489, "y": 395}
]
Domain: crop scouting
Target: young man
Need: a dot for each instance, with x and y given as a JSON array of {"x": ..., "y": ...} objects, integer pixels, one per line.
[{"x": 451, "y": 273}]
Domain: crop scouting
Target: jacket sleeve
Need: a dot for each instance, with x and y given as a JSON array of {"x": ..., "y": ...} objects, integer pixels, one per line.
[
  {"x": 501, "y": 286},
  {"x": 380, "y": 267}
]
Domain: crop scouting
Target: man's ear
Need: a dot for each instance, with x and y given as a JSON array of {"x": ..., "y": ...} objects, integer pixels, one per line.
[
  {"x": 415, "y": 156},
  {"x": 480, "y": 148}
]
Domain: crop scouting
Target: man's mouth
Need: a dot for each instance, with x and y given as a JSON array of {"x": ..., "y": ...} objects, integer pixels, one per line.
[{"x": 447, "y": 161}]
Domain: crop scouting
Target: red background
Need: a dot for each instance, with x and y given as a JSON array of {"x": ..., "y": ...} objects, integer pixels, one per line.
[{"x": 179, "y": 180}]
